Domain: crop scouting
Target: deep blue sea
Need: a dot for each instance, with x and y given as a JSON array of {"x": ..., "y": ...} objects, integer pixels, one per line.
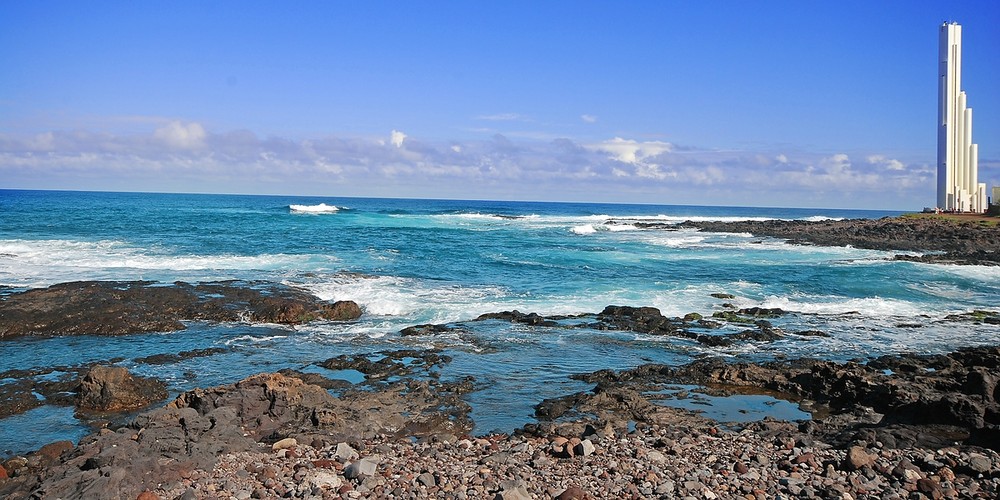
[{"x": 410, "y": 262}]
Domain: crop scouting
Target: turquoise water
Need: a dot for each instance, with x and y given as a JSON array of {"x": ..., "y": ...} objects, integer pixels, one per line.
[{"x": 408, "y": 262}]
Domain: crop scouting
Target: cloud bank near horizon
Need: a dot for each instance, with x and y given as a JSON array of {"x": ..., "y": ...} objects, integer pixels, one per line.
[{"x": 186, "y": 156}]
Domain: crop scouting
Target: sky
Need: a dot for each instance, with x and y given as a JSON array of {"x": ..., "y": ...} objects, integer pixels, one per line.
[{"x": 772, "y": 103}]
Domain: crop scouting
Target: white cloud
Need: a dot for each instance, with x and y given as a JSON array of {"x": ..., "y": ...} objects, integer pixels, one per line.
[
  {"x": 588, "y": 118},
  {"x": 886, "y": 163},
  {"x": 185, "y": 155},
  {"x": 838, "y": 164},
  {"x": 181, "y": 136},
  {"x": 397, "y": 138},
  {"x": 631, "y": 151}
]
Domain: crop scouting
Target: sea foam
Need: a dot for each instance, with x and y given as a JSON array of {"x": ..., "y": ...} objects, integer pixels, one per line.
[{"x": 322, "y": 208}]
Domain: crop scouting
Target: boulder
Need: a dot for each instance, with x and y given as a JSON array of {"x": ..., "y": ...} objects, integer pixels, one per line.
[{"x": 114, "y": 389}]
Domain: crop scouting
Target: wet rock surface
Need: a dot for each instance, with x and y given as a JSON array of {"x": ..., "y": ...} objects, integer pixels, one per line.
[
  {"x": 125, "y": 307},
  {"x": 648, "y": 320},
  {"x": 957, "y": 242},
  {"x": 911, "y": 399}
]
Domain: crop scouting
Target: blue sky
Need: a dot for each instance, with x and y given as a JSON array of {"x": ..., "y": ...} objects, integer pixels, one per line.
[{"x": 717, "y": 103}]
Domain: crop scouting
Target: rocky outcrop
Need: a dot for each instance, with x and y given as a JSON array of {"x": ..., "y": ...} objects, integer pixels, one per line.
[
  {"x": 648, "y": 320},
  {"x": 958, "y": 241},
  {"x": 114, "y": 389},
  {"x": 957, "y": 394},
  {"x": 124, "y": 307},
  {"x": 267, "y": 411}
]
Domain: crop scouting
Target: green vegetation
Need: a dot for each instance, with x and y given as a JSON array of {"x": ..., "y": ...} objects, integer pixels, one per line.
[{"x": 986, "y": 220}]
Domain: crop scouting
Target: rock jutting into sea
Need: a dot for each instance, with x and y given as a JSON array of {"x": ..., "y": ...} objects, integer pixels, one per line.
[
  {"x": 127, "y": 307},
  {"x": 938, "y": 240}
]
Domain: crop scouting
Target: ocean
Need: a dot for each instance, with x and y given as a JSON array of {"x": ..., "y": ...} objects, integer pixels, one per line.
[{"x": 409, "y": 262}]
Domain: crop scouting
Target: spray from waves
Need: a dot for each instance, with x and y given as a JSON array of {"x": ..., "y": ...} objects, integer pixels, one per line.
[
  {"x": 876, "y": 307},
  {"x": 322, "y": 208},
  {"x": 610, "y": 227},
  {"x": 583, "y": 229},
  {"x": 37, "y": 263},
  {"x": 419, "y": 301}
]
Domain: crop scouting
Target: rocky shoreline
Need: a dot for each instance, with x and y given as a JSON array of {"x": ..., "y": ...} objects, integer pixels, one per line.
[
  {"x": 896, "y": 427},
  {"x": 936, "y": 240}
]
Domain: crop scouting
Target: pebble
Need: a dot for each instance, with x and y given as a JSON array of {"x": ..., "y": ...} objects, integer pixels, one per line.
[{"x": 651, "y": 462}]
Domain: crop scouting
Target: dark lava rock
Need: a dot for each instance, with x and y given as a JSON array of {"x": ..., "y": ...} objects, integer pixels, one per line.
[
  {"x": 114, "y": 389},
  {"x": 533, "y": 319},
  {"x": 163, "y": 359},
  {"x": 164, "y": 445},
  {"x": 124, "y": 307},
  {"x": 949, "y": 241},
  {"x": 905, "y": 396},
  {"x": 17, "y": 397},
  {"x": 387, "y": 364},
  {"x": 428, "y": 329}
]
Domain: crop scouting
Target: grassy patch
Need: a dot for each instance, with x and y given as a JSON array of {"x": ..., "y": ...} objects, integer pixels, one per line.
[{"x": 975, "y": 218}]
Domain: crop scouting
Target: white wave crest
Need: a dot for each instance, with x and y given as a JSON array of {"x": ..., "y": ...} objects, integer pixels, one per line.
[
  {"x": 45, "y": 262},
  {"x": 322, "y": 208},
  {"x": 584, "y": 229},
  {"x": 421, "y": 300},
  {"x": 829, "y": 305},
  {"x": 821, "y": 218}
]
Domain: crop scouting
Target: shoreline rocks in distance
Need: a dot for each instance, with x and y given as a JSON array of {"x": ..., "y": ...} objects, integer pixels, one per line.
[
  {"x": 127, "y": 307},
  {"x": 938, "y": 240}
]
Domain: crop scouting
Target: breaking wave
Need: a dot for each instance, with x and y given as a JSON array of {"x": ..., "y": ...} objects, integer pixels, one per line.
[{"x": 322, "y": 208}]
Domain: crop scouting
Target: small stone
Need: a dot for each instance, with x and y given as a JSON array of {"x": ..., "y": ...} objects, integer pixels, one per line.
[
  {"x": 664, "y": 488},
  {"x": 364, "y": 467},
  {"x": 656, "y": 457},
  {"x": 427, "y": 479},
  {"x": 857, "y": 458},
  {"x": 573, "y": 493},
  {"x": 345, "y": 452},
  {"x": 946, "y": 474},
  {"x": 321, "y": 478},
  {"x": 980, "y": 463},
  {"x": 930, "y": 488},
  {"x": 740, "y": 468},
  {"x": 284, "y": 444},
  {"x": 585, "y": 448},
  {"x": 3, "y": 473},
  {"x": 147, "y": 495}
]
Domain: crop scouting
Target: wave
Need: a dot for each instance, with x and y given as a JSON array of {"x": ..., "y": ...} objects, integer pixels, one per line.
[
  {"x": 834, "y": 305},
  {"x": 35, "y": 263},
  {"x": 322, "y": 208}
]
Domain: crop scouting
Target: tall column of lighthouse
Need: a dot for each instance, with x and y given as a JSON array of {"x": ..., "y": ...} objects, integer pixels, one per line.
[{"x": 958, "y": 157}]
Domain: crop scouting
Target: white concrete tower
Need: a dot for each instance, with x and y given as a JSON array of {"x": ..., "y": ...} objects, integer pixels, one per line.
[{"x": 958, "y": 158}]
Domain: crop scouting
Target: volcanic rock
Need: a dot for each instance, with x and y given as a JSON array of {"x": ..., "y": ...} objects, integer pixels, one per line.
[
  {"x": 947, "y": 241},
  {"x": 114, "y": 389},
  {"x": 124, "y": 307}
]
